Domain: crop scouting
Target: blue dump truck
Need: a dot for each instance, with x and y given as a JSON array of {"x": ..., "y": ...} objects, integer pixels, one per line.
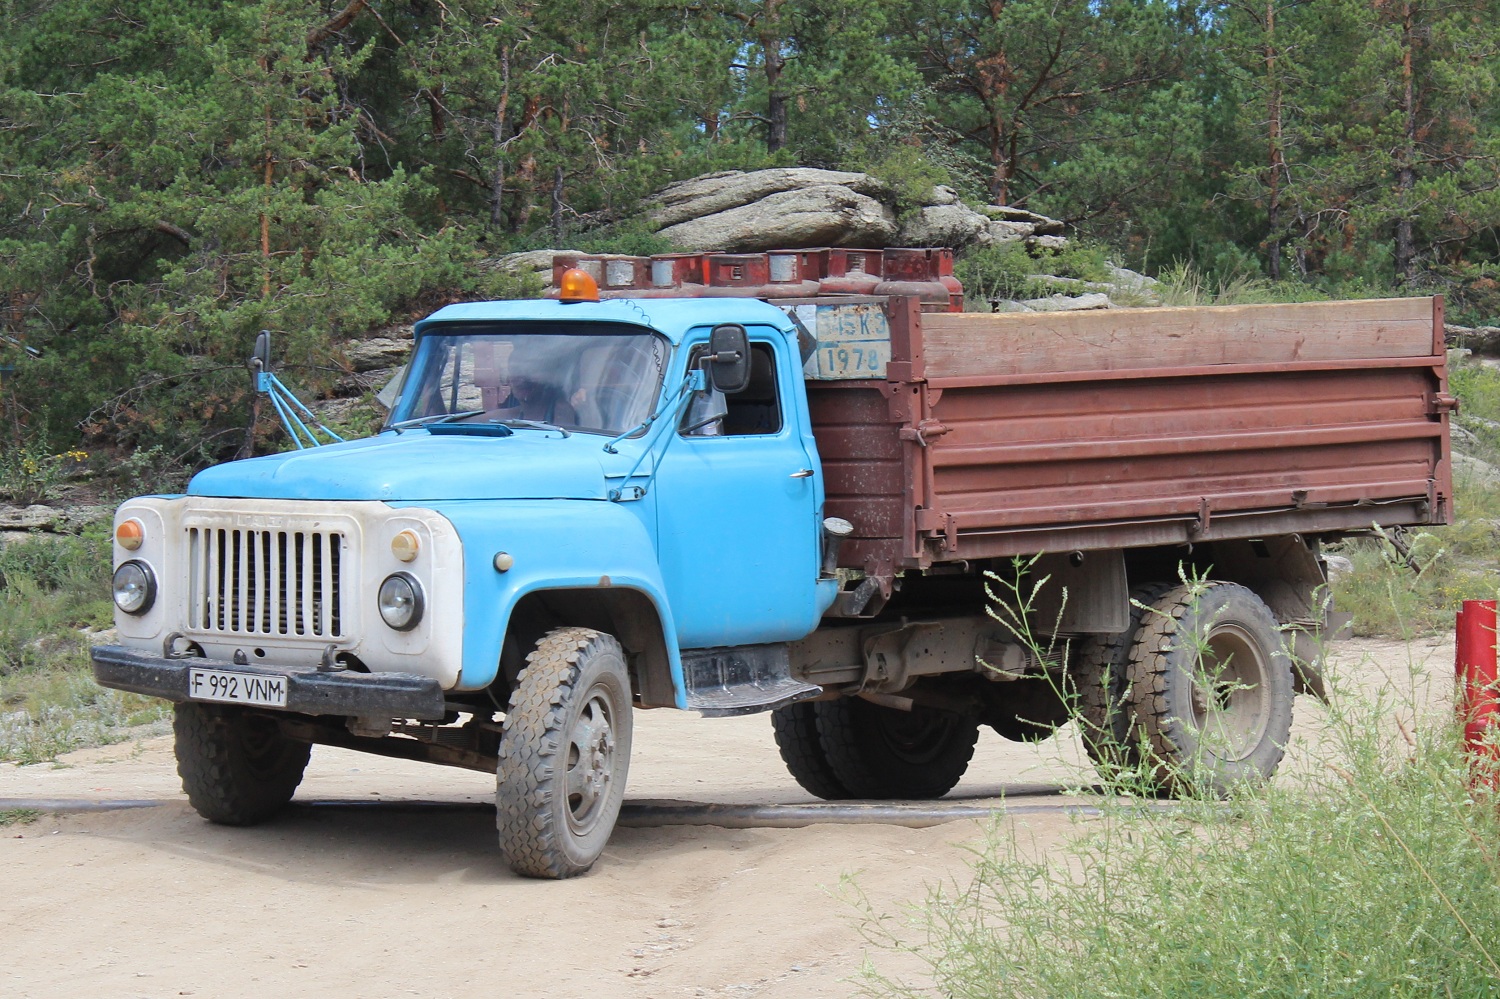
[{"x": 884, "y": 522}]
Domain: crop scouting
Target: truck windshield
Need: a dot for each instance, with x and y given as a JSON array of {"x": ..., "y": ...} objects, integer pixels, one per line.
[{"x": 594, "y": 379}]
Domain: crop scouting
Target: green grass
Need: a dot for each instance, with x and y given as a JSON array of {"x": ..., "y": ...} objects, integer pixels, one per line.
[
  {"x": 54, "y": 593},
  {"x": 1457, "y": 562},
  {"x": 1377, "y": 876},
  {"x": 18, "y": 816}
]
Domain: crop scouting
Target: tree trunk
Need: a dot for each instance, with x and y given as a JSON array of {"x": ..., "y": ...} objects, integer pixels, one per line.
[
  {"x": 1406, "y": 173},
  {"x": 1277, "y": 155},
  {"x": 557, "y": 205},
  {"x": 497, "y": 178},
  {"x": 771, "y": 44}
]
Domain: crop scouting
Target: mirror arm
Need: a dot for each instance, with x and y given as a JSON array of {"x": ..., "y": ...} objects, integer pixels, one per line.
[{"x": 695, "y": 381}]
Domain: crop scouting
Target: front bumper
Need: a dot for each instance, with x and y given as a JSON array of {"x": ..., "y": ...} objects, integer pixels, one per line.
[{"x": 310, "y": 691}]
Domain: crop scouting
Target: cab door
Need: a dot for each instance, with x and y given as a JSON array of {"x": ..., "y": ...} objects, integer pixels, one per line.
[{"x": 737, "y": 511}]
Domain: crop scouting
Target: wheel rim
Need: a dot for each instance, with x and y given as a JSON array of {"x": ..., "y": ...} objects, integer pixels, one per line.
[
  {"x": 1229, "y": 693},
  {"x": 590, "y": 763},
  {"x": 917, "y": 736}
]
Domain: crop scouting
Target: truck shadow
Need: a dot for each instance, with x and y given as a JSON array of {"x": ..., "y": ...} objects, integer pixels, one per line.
[{"x": 353, "y": 843}]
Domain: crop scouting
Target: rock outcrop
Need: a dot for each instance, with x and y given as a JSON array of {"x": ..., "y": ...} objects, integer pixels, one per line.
[
  {"x": 820, "y": 215},
  {"x": 748, "y": 211},
  {"x": 954, "y": 225},
  {"x": 800, "y": 208},
  {"x": 712, "y": 193},
  {"x": 1479, "y": 339}
]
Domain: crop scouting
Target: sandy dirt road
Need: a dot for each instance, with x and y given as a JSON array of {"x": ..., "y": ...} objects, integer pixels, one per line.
[{"x": 383, "y": 879}]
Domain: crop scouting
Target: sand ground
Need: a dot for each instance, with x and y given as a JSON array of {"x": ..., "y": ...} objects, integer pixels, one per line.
[{"x": 383, "y": 878}]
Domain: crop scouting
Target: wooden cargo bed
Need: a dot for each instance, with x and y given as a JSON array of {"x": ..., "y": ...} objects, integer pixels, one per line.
[{"x": 996, "y": 435}]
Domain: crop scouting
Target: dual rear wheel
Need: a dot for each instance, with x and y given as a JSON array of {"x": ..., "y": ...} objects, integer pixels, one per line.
[
  {"x": 1196, "y": 697},
  {"x": 852, "y": 748}
]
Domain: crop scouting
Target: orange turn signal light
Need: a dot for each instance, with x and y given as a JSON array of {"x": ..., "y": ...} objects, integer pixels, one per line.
[
  {"x": 130, "y": 535},
  {"x": 577, "y": 286}
]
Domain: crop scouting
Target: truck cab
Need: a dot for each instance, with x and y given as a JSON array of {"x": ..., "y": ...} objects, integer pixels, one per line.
[{"x": 546, "y": 466}]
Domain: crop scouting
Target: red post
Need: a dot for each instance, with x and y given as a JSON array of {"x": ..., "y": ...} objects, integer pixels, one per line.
[{"x": 1477, "y": 678}]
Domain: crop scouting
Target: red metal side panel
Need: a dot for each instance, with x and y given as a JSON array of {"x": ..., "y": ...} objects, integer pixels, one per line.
[
  {"x": 1198, "y": 450},
  {"x": 1003, "y": 458}
]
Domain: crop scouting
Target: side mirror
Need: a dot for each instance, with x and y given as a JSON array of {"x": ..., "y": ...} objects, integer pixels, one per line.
[
  {"x": 260, "y": 359},
  {"x": 729, "y": 358}
]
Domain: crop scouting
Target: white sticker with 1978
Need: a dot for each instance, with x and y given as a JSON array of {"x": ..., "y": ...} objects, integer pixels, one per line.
[{"x": 237, "y": 688}]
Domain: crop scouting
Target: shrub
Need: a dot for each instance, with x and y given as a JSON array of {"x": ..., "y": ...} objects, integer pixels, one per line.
[{"x": 1377, "y": 875}]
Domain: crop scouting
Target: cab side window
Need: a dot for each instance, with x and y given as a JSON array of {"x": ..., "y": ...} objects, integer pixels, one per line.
[{"x": 756, "y": 410}]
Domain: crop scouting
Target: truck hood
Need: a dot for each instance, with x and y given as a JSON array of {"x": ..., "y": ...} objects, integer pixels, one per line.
[{"x": 419, "y": 467}]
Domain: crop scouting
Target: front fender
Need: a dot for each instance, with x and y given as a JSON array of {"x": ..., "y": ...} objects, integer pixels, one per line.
[{"x": 553, "y": 544}]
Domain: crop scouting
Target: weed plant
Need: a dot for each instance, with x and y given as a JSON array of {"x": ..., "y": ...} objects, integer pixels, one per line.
[
  {"x": 1375, "y": 874},
  {"x": 1009, "y": 271}
]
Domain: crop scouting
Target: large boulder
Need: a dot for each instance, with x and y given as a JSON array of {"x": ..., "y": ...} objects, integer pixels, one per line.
[
  {"x": 528, "y": 263},
  {"x": 713, "y": 193},
  {"x": 1041, "y": 225},
  {"x": 1069, "y": 303},
  {"x": 378, "y": 352},
  {"x": 954, "y": 225},
  {"x": 1471, "y": 471},
  {"x": 823, "y": 215},
  {"x": 1479, "y": 339},
  {"x": 1005, "y": 231}
]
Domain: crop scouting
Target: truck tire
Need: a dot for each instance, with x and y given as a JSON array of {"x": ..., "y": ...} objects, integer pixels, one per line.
[
  {"x": 1101, "y": 673},
  {"x": 564, "y": 754},
  {"x": 1211, "y": 685},
  {"x": 881, "y": 752},
  {"x": 236, "y": 767},
  {"x": 796, "y": 730}
]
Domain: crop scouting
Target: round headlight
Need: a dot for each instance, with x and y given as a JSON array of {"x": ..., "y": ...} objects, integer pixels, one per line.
[
  {"x": 400, "y": 601},
  {"x": 134, "y": 587}
]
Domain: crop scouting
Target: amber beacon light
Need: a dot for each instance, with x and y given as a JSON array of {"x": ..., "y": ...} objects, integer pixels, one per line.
[{"x": 577, "y": 286}]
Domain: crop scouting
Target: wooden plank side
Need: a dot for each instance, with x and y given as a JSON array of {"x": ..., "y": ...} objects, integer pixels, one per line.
[{"x": 959, "y": 345}]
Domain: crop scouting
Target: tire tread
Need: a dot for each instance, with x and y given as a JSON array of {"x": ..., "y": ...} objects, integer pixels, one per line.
[
  {"x": 527, "y": 777},
  {"x": 796, "y": 730},
  {"x": 1151, "y": 667},
  {"x": 215, "y": 773}
]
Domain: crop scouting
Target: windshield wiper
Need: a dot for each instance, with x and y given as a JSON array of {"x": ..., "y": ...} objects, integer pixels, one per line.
[
  {"x": 422, "y": 421},
  {"x": 535, "y": 425}
]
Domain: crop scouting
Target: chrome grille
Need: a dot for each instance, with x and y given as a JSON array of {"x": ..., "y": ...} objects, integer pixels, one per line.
[{"x": 266, "y": 582}]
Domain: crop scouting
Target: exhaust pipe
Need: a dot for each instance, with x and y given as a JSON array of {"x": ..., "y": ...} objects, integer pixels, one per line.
[{"x": 835, "y": 530}]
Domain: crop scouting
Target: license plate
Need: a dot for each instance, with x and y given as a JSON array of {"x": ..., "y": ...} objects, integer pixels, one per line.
[{"x": 237, "y": 688}]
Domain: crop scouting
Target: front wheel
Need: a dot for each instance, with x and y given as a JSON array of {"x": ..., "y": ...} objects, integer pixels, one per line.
[
  {"x": 237, "y": 768},
  {"x": 1211, "y": 686},
  {"x": 564, "y": 754}
]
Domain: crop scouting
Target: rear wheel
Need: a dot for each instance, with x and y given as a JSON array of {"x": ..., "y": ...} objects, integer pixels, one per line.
[
  {"x": 1101, "y": 671},
  {"x": 564, "y": 754},
  {"x": 796, "y": 730},
  {"x": 237, "y": 768},
  {"x": 1211, "y": 685},
  {"x": 881, "y": 752}
]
